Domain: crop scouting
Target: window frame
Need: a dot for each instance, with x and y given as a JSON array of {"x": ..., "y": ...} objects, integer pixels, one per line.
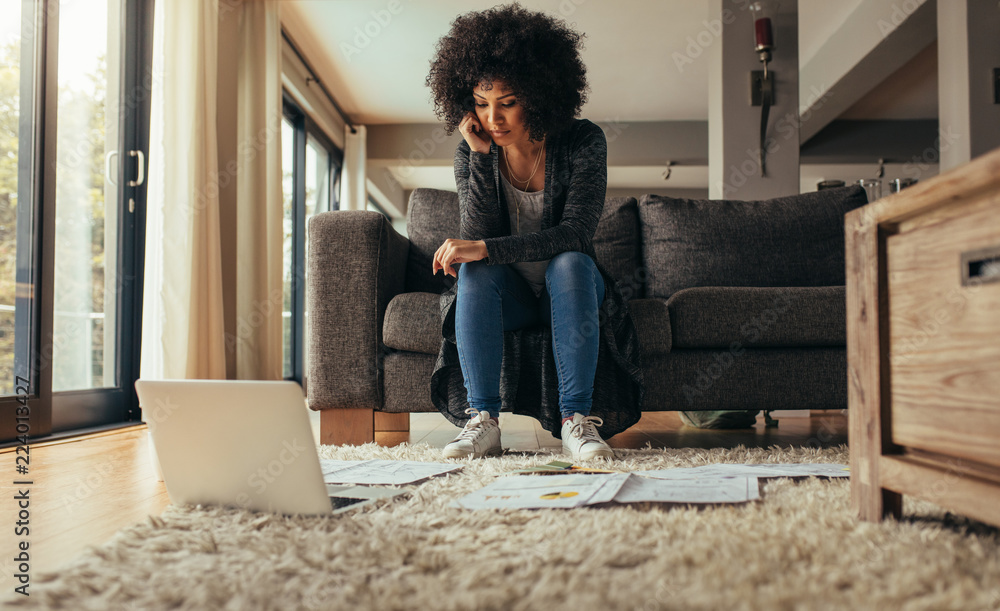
[
  {"x": 70, "y": 413},
  {"x": 304, "y": 126}
]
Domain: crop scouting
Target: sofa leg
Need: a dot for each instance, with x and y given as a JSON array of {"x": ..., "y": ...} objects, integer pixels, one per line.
[
  {"x": 386, "y": 421},
  {"x": 340, "y": 426}
]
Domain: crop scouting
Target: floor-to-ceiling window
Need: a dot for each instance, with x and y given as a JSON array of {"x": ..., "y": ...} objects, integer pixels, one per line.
[
  {"x": 311, "y": 168},
  {"x": 74, "y": 98},
  {"x": 10, "y": 115}
]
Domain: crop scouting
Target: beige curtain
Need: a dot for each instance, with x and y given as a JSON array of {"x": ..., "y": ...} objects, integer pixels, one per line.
[
  {"x": 353, "y": 178},
  {"x": 183, "y": 332},
  {"x": 260, "y": 233},
  {"x": 182, "y": 320}
]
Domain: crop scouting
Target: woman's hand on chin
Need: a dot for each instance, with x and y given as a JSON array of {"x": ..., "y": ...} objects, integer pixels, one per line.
[{"x": 478, "y": 138}]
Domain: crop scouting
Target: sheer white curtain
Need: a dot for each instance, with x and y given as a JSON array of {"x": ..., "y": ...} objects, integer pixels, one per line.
[
  {"x": 353, "y": 178},
  {"x": 260, "y": 239},
  {"x": 182, "y": 320},
  {"x": 183, "y": 332}
]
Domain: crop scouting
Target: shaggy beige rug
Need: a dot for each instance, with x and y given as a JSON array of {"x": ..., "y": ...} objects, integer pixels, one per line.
[{"x": 797, "y": 548}]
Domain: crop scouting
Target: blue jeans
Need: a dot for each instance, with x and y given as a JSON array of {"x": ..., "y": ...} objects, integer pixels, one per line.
[{"x": 492, "y": 299}]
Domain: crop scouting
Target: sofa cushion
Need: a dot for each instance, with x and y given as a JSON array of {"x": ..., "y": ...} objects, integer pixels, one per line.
[
  {"x": 412, "y": 323},
  {"x": 618, "y": 244},
  {"x": 431, "y": 218},
  {"x": 755, "y": 317},
  {"x": 785, "y": 241}
]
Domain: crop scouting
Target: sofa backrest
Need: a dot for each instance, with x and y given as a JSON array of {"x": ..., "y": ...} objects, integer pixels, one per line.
[
  {"x": 786, "y": 241},
  {"x": 432, "y": 217}
]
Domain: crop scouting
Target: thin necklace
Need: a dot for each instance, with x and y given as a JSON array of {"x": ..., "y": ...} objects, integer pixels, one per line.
[
  {"x": 509, "y": 171},
  {"x": 534, "y": 168}
]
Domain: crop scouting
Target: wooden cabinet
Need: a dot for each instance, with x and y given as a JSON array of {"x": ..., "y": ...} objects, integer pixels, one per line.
[{"x": 923, "y": 345}]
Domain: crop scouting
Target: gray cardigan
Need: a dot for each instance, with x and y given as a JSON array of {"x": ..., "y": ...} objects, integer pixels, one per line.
[{"x": 576, "y": 176}]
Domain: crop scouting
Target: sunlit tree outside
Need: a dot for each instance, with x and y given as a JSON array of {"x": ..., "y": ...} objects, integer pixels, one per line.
[
  {"x": 10, "y": 84},
  {"x": 78, "y": 341},
  {"x": 84, "y": 248}
]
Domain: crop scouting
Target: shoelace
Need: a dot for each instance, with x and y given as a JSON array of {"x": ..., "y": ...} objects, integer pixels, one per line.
[
  {"x": 474, "y": 427},
  {"x": 585, "y": 429}
]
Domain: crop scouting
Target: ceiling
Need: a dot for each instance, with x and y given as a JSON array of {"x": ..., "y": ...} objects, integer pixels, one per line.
[{"x": 378, "y": 77}]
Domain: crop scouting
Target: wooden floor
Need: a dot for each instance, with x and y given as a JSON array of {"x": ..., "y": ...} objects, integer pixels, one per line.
[
  {"x": 660, "y": 429},
  {"x": 86, "y": 489}
]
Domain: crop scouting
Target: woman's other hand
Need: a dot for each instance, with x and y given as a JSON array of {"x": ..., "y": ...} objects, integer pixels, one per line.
[
  {"x": 458, "y": 251},
  {"x": 478, "y": 138}
]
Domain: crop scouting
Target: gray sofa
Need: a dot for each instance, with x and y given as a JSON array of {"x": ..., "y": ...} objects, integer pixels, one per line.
[{"x": 739, "y": 305}]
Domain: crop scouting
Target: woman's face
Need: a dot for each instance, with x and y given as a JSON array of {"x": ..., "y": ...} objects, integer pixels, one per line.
[{"x": 500, "y": 113}]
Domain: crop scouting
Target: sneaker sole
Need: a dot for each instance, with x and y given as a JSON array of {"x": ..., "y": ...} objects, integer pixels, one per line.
[
  {"x": 456, "y": 454},
  {"x": 589, "y": 455}
]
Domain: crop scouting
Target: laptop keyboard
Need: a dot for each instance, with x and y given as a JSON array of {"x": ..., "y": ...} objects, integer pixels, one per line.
[{"x": 336, "y": 502}]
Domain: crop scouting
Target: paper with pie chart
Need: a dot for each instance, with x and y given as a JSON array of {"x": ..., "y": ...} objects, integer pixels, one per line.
[
  {"x": 532, "y": 492},
  {"x": 578, "y": 490}
]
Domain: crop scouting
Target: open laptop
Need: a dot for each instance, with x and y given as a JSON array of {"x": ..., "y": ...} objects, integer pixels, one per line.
[{"x": 242, "y": 443}]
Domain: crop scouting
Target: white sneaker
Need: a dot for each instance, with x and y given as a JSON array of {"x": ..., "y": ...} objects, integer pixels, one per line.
[
  {"x": 580, "y": 438},
  {"x": 480, "y": 437}
]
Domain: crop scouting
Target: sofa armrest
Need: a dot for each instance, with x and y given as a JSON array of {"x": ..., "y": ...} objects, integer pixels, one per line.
[
  {"x": 651, "y": 317},
  {"x": 356, "y": 265}
]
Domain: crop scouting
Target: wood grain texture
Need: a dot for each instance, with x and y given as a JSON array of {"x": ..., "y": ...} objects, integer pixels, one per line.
[
  {"x": 923, "y": 350},
  {"x": 974, "y": 497},
  {"x": 346, "y": 426},
  {"x": 866, "y": 398},
  {"x": 82, "y": 493},
  {"x": 387, "y": 421},
  {"x": 945, "y": 375}
]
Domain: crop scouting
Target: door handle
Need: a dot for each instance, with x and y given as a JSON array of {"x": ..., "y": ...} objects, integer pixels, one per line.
[
  {"x": 142, "y": 168},
  {"x": 108, "y": 174}
]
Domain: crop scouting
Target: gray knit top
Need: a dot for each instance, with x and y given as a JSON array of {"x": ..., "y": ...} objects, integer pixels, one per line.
[
  {"x": 526, "y": 218},
  {"x": 576, "y": 175}
]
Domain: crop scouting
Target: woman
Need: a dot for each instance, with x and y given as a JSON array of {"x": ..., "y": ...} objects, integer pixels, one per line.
[{"x": 531, "y": 184}]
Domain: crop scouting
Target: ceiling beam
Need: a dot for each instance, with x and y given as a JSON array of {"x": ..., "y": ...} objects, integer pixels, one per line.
[
  {"x": 636, "y": 143},
  {"x": 849, "y": 142},
  {"x": 878, "y": 38}
]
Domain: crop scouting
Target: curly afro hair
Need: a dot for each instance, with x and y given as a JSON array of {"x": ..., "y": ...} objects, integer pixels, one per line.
[{"x": 537, "y": 56}]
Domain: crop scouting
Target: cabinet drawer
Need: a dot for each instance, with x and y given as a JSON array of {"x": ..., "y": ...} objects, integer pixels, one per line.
[{"x": 944, "y": 334}]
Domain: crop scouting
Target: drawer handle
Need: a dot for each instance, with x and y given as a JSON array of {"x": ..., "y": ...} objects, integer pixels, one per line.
[{"x": 979, "y": 266}]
